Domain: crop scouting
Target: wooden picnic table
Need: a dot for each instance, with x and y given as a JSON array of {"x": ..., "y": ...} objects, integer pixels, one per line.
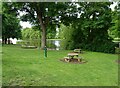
[
  {"x": 71, "y": 55},
  {"x": 77, "y": 50}
]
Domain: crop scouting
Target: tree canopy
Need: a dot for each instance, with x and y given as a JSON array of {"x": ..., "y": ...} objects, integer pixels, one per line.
[
  {"x": 114, "y": 30},
  {"x": 10, "y": 23},
  {"x": 43, "y": 15},
  {"x": 90, "y": 31},
  {"x": 87, "y": 23}
]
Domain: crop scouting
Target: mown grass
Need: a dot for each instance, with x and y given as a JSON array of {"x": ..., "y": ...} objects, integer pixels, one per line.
[{"x": 28, "y": 67}]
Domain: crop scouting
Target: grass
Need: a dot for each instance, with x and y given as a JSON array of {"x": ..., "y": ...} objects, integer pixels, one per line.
[{"x": 28, "y": 67}]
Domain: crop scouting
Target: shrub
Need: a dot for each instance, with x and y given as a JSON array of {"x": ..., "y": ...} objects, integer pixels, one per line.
[
  {"x": 51, "y": 44},
  {"x": 107, "y": 47},
  {"x": 28, "y": 47},
  {"x": 117, "y": 50},
  {"x": 29, "y": 43},
  {"x": 76, "y": 38},
  {"x": 116, "y": 39}
]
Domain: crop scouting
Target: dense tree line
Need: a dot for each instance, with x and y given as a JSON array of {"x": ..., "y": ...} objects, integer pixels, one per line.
[
  {"x": 41, "y": 14},
  {"x": 90, "y": 31},
  {"x": 114, "y": 30},
  {"x": 10, "y": 23},
  {"x": 86, "y": 24}
]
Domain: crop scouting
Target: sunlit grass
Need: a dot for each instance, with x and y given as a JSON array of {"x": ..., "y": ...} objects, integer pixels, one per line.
[{"x": 28, "y": 67}]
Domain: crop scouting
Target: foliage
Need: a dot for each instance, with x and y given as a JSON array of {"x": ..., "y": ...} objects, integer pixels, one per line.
[
  {"x": 116, "y": 39},
  {"x": 28, "y": 47},
  {"x": 118, "y": 13},
  {"x": 29, "y": 43},
  {"x": 10, "y": 23},
  {"x": 43, "y": 15},
  {"x": 117, "y": 50},
  {"x": 88, "y": 22},
  {"x": 0, "y": 7},
  {"x": 90, "y": 31},
  {"x": 65, "y": 34},
  {"x": 51, "y": 44},
  {"x": 114, "y": 30},
  {"x": 31, "y": 36},
  {"x": 50, "y": 34}
]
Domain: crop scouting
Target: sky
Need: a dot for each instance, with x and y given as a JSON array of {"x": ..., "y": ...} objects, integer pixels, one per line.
[
  {"x": 27, "y": 24},
  {"x": 113, "y": 5}
]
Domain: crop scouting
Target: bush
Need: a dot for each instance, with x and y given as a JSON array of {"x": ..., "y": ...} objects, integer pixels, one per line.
[
  {"x": 28, "y": 47},
  {"x": 116, "y": 39},
  {"x": 21, "y": 42},
  {"x": 107, "y": 47},
  {"x": 117, "y": 50},
  {"x": 30, "y": 43},
  {"x": 74, "y": 37},
  {"x": 51, "y": 45}
]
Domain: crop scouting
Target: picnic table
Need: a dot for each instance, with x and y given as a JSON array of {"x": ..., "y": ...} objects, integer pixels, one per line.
[
  {"x": 77, "y": 50},
  {"x": 71, "y": 55}
]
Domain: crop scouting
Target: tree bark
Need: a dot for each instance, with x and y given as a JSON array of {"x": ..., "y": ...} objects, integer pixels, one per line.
[
  {"x": 9, "y": 41},
  {"x": 5, "y": 41},
  {"x": 43, "y": 38},
  {"x": 43, "y": 33}
]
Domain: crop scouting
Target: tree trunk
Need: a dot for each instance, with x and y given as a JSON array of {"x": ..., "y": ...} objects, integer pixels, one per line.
[
  {"x": 43, "y": 38},
  {"x": 4, "y": 40},
  {"x": 43, "y": 33},
  {"x": 8, "y": 40}
]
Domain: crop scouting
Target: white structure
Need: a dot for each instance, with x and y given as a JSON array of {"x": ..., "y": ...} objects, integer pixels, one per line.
[{"x": 13, "y": 41}]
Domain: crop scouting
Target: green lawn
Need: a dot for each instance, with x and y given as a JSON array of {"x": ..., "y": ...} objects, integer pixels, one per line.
[{"x": 28, "y": 67}]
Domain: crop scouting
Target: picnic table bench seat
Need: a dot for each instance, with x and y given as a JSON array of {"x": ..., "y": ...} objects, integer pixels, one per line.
[{"x": 77, "y": 50}]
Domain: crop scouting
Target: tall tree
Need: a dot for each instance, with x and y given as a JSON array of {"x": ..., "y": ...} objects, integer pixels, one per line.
[
  {"x": 118, "y": 20},
  {"x": 91, "y": 28},
  {"x": 10, "y": 23},
  {"x": 114, "y": 30},
  {"x": 41, "y": 13},
  {"x": 97, "y": 21}
]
